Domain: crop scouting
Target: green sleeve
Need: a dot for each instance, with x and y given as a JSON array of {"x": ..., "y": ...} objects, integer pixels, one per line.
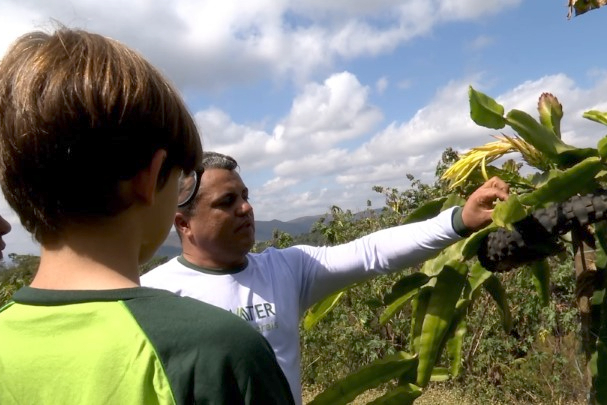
[
  {"x": 211, "y": 356},
  {"x": 458, "y": 223}
]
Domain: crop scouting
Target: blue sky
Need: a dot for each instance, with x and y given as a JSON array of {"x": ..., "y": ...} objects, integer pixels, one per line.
[{"x": 321, "y": 100}]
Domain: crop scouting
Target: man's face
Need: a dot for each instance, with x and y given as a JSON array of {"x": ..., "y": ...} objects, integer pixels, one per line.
[
  {"x": 221, "y": 230},
  {"x": 5, "y": 228}
]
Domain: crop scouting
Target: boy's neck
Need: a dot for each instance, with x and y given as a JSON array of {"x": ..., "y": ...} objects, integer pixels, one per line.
[
  {"x": 90, "y": 261},
  {"x": 62, "y": 272}
]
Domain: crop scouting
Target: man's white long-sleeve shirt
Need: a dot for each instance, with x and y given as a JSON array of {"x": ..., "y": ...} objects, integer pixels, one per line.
[{"x": 275, "y": 287}]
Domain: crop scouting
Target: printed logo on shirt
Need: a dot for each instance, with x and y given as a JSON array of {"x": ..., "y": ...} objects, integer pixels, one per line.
[
  {"x": 255, "y": 312},
  {"x": 261, "y": 315}
]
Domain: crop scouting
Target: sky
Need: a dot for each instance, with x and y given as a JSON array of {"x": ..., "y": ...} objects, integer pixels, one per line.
[{"x": 320, "y": 100}]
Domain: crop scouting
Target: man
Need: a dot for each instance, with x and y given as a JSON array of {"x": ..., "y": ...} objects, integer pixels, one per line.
[
  {"x": 272, "y": 289},
  {"x": 93, "y": 144}
]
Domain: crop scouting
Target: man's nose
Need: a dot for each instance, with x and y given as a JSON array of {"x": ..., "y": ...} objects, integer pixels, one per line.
[
  {"x": 5, "y": 227},
  {"x": 246, "y": 207}
]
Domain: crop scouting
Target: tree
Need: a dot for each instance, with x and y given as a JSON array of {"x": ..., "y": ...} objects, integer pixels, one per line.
[{"x": 17, "y": 274}]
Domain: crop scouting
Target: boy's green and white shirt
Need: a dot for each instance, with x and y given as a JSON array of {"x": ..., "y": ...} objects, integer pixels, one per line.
[{"x": 131, "y": 346}]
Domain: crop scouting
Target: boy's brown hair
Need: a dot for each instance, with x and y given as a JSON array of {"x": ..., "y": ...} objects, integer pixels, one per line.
[{"x": 80, "y": 112}]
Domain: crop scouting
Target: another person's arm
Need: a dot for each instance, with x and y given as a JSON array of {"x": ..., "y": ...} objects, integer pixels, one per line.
[{"x": 328, "y": 269}]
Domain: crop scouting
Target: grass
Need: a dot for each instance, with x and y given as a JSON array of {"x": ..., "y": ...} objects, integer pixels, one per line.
[{"x": 433, "y": 395}]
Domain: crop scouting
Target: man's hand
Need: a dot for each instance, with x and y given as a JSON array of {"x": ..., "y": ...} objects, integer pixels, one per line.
[{"x": 477, "y": 210}]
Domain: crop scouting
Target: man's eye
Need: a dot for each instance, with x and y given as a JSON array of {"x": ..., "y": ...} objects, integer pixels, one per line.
[{"x": 226, "y": 202}]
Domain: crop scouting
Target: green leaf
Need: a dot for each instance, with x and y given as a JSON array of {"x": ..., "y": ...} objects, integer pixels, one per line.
[
  {"x": 542, "y": 138},
  {"x": 396, "y": 306},
  {"x": 455, "y": 348},
  {"x": 429, "y": 210},
  {"x": 472, "y": 244},
  {"x": 402, "y": 291},
  {"x": 596, "y": 116},
  {"x": 602, "y": 148},
  {"x": 439, "y": 313},
  {"x": 439, "y": 374},
  {"x": 461, "y": 310},
  {"x": 571, "y": 157},
  {"x": 592, "y": 366},
  {"x": 598, "y": 296},
  {"x": 405, "y": 285},
  {"x": 454, "y": 252},
  {"x": 509, "y": 211},
  {"x": 401, "y": 395},
  {"x": 453, "y": 339},
  {"x": 512, "y": 178},
  {"x": 540, "y": 178},
  {"x": 574, "y": 180},
  {"x": 540, "y": 273},
  {"x": 321, "y": 309},
  {"x": 600, "y": 236},
  {"x": 551, "y": 113},
  {"x": 495, "y": 288},
  {"x": 476, "y": 278},
  {"x": 419, "y": 306},
  {"x": 485, "y": 111},
  {"x": 599, "y": 381},
  {"x": 453, "y": 200},
  {"x": 370, "y": 376}
]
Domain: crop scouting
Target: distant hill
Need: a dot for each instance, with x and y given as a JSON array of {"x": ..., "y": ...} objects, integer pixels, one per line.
[
  {"x": 264, "y": 229},
  {"x": 263, "y": 232}
]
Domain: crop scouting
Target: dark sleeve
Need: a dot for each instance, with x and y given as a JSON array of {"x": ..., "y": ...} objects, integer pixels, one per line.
[
  {"x": 458, "y": 223},
  {"x": 209, "y": 355}
]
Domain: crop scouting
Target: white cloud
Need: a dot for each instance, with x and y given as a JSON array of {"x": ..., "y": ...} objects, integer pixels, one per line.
[
  {"x": 321, "y": 116},
  {"x": 381, "y": 84},
  {"x": 213, "y": 45},
  {"x": 275, "y": 185},
  {"x": 324, "y": 115},
  {"x": 404, "y": 84},
  {"x": 471, "y": 9},
  {"x": 319, "y": 164},
  {"x": 481, "y": 42}
]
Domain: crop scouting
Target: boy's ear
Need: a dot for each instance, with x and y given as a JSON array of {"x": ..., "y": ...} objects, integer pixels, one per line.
[{"x": 146, "y": 181}]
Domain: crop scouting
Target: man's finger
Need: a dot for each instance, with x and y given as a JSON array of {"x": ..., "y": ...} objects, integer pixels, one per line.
[{"x": 496, "y": 182}]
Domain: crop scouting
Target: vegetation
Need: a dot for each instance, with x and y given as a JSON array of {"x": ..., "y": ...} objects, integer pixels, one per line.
[
  {"x": 439, "y": 321},
  {"x": 16, "y": 274},
  {"x": 19, "y": 271}
]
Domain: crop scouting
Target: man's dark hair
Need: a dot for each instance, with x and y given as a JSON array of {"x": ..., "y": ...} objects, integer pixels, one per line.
[{"x": 210, "y": 160}]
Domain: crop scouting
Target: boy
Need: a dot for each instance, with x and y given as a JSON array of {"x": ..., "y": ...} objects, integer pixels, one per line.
[{"x": 93, "y": 141}]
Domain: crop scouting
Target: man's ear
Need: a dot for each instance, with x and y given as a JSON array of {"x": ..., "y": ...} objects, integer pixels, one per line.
[
  {"x": 146, "y": 181},
  {"x": 182, "y": 224}
]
